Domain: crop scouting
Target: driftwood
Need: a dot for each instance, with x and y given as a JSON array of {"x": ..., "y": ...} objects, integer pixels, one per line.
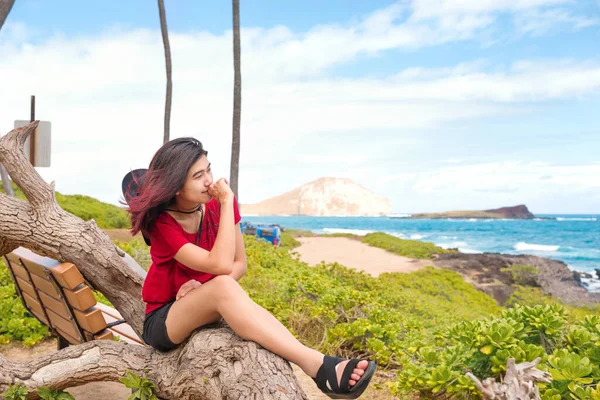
[
  {"x": 213, "y": 364},
  {"x": 518, "y": 383}
]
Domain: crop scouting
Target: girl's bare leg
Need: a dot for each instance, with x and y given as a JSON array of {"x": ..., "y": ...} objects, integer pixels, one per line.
[{"x": 224, "y": 297}]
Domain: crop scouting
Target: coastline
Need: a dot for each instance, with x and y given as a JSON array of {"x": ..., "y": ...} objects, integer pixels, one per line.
[{"x": 488, "y": 272}]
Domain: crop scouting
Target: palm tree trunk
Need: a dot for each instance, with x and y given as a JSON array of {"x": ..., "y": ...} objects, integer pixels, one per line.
[
  {"x": 5, "y": 7},
  {"x": 237, "y": 100},
  {"x": 165, "y": 37}
]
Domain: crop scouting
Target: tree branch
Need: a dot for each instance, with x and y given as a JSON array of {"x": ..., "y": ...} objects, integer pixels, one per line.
[
  {"x": 214, "y": 364},
  {"x": 42, "y": 226},
  {"x": 518, "y": 383}
]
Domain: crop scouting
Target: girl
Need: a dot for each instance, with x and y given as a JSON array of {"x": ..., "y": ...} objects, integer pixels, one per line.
[{"x": 197, "y": 250}]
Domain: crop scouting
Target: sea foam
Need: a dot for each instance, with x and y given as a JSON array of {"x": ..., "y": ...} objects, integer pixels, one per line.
[{"x": 522, "y": 246}]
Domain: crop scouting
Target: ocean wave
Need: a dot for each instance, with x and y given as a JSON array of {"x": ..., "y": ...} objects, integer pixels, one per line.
[
  {"x": 397, "y": 234},
  {"x": 452, "y": 245},
  {"x": 359, "y": 232},
  {"x": 469, "y": 251},
  {"x": 461, "y": 246},
  {"x": 591, "y": 284},
  {"x": 416, "y": 236},
  {"x": 575, "y": 219},
  {"x": 522, "y": 246},
  {"x": 398, "y": 215}
]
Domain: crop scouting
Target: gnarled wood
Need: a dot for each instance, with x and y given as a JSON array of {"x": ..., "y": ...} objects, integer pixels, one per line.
[
  {"x": 214, "y": 364},
  {"x": 518, "y": 383}
]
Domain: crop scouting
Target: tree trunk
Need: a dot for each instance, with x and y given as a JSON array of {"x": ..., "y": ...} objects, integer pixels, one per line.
[
  {"x": 165, "y": 38},
  {"x": 5, "y": 6},
  {"x": 213, "y": 364},
  {"x": 237, "y": 101}
]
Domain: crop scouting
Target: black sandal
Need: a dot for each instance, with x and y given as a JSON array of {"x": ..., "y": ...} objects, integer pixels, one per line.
[{"x": 326, "y": 379}]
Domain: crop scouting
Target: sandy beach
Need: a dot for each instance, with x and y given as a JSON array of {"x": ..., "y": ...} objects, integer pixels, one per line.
[{"x": 354, "y": 254}]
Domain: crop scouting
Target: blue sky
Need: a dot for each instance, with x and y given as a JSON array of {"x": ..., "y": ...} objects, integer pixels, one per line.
[{"x": 437, "y": 105}]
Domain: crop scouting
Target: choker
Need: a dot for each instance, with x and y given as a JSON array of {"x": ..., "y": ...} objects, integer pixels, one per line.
[{"x": 186, "y": 212}]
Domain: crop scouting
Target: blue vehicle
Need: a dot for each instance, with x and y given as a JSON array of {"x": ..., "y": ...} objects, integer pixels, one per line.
[{"x": 269, "y": 232}]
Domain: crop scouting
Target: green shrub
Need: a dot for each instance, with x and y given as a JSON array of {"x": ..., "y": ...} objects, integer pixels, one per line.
[
  {"x": 406, "y": 248},
  {"x": 16, "y": 391},
  {"x": 289, "y": 241},
  {"x": 338, "y": 310},
  {"x": 106, "y": 215},
  {"x": 568, "y": 351},
  {"x": 138, "y": 250},
  {"x": 525, "y": 275}
]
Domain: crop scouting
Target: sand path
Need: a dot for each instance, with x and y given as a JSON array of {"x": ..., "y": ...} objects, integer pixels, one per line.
[{"x": 354, "y": 254}]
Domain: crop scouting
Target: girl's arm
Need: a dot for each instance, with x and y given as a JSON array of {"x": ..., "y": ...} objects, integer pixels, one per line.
[{"x": 219, "y": 260}]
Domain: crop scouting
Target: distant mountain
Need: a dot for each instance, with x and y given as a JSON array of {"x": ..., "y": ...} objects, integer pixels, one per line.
[
  {"x": 323, "y": 197},
  {"x": 516, "y": 212}
]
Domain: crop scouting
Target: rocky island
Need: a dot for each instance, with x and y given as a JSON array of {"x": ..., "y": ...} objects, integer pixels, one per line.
[
  {"x": 323, "y": 197},
  {"x": 516, "y": 212}
]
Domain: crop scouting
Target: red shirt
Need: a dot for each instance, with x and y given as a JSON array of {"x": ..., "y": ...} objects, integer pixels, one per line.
[{"x": 166, "y": 275}]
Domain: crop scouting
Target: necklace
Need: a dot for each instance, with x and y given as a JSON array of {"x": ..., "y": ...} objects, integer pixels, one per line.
[{"x": 186, "y": 212}]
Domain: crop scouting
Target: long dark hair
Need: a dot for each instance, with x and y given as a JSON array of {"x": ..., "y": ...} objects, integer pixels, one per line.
[{"x": 166, "y": 175}]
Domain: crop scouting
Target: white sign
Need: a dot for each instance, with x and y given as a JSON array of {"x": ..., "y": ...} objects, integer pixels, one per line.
[{"x": 41, "y": 148}]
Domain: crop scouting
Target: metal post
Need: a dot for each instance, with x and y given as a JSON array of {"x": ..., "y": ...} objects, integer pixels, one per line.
[{"x": 32, "y": 136}]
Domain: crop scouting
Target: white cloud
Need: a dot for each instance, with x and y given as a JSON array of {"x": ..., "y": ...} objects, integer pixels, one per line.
[
  {"x": 490, "y": 185},
  {"x": 105, "y": 95}
]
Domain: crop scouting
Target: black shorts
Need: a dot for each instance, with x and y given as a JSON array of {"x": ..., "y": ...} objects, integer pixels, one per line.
[{"x": 155, "y": 329}]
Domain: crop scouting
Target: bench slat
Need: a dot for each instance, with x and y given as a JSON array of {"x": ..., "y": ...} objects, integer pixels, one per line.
[
  {"x": 45, "y": 286},
  {"x": 106, "y": 334},
  {"x": 81, "y": 298},
  {"x": 35, "y": 307},
  {"x": 125, "y": 338},
  {"x": 91, "y": 320},
  {"x": 67, "y": 275},
  {"x": 69, "y": 338},
  {"x": 26, "y": 287},
  {"x": 18, "y": 270},
  {"x": 63, "y": 325}
]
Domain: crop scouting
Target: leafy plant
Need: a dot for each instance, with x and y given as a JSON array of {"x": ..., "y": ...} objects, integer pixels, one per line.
[
  {"x": 142, "y": 388},
  {"x": 16, "y": 392},
  {"x": 50, "y": 394}
]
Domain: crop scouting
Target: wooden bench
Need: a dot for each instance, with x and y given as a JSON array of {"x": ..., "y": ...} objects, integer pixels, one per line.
[{"x": 57, "y": 294}]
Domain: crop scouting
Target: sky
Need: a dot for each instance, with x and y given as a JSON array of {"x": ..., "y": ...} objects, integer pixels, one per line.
[{"x": 435, "y": 104}]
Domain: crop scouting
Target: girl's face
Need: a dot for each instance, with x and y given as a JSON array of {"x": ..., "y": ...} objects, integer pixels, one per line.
[{"x": 199, "y": 178}]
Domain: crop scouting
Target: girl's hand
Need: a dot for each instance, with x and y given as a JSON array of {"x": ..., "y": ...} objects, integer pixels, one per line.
[
  {"x": 186, "y": 288},
  {"x": 220, "y": 191}
]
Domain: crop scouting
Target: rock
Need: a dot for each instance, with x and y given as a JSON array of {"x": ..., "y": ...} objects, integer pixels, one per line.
[
  {"x": 553, "y": 276},
  {"x": 323, "y": 197},
  {"x": 516, "y": 212},
  {"x": 598, "y": 272}
]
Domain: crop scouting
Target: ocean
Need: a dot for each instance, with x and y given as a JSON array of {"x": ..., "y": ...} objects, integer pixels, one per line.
[{"x": 574, "y": 239}]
